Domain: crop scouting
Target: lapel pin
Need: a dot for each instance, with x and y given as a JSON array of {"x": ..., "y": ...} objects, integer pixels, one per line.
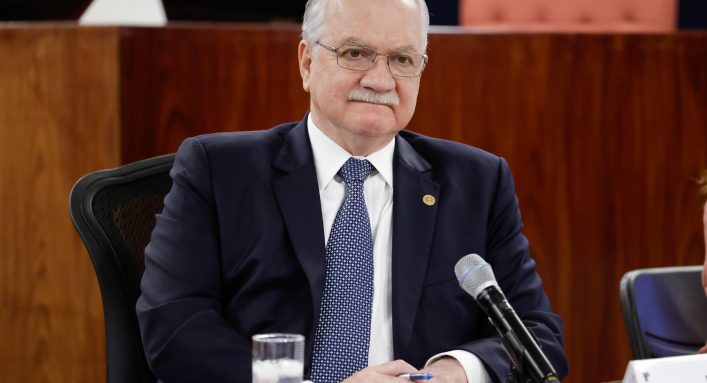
[{"x": 429, "y": 200}]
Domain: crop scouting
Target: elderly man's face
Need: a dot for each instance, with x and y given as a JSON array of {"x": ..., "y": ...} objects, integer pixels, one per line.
[{"x": 386, "y": 26}]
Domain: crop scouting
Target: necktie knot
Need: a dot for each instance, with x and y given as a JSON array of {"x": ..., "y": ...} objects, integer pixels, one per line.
[{"x": 355, "y": 170}]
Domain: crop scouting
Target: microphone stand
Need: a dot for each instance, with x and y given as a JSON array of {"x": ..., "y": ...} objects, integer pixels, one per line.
[{"x": 528, "y": 364}]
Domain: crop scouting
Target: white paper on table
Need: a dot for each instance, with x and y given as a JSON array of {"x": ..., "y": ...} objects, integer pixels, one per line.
[{"x": 683, "y": 369}]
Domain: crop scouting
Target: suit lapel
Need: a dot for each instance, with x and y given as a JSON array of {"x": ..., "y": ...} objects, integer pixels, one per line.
[
  {"x": 414, "y": 215},
  {"x": 297, "y": 194}
]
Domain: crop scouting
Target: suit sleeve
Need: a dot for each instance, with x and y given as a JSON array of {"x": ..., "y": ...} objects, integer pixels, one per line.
[
  {"x": 180, "y": 311},
  {"x": 507, "y": 253}
]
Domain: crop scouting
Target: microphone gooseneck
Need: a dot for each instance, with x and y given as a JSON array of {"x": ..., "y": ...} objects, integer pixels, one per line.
[{"x": 476, "y": 277}]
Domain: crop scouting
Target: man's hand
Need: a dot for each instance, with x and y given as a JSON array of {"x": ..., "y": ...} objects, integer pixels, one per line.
[
  {"x": 446, "y": 370},
  {"x": 382, "y": 373}
]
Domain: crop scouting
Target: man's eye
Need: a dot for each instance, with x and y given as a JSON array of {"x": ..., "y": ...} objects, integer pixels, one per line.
[
  {"x": 352, "y": 53},
  {"x": 404, "y": 60}
]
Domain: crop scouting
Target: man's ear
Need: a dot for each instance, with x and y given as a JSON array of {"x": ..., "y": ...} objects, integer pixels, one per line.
[{"x": 304, "y": 54}]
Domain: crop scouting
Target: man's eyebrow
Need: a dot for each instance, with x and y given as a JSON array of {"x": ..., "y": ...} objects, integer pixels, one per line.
[
  {"x": 354, "y": 41},
  {"x": 405, "y": 48}
]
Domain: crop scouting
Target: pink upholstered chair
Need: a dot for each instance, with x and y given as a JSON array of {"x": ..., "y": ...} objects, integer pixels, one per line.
[{"x": 569, "y": 15}]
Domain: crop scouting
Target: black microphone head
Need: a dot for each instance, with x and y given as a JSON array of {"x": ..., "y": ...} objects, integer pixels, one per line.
[{"x": 474, "y": 274}]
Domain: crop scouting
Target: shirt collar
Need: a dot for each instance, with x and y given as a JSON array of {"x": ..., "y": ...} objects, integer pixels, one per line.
[{"x": 329, "y": 157}]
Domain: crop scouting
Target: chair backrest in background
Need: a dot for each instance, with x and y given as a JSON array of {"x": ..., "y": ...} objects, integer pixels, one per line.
[
  {"x": 665, "y": 311},
  {"x": 114, "y": 212},
  {"x": 569, "y": 15}
]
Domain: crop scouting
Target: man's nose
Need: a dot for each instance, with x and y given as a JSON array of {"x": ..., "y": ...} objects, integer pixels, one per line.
[{"x": 378, "y": 76}]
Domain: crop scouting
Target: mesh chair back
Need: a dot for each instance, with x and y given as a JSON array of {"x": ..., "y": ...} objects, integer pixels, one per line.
[
  {"x": 114, "y": 213},
  {"x": 665, "y": 311}
]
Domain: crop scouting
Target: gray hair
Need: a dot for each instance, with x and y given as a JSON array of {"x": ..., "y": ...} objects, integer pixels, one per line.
[{"x": 313, "y": 22}]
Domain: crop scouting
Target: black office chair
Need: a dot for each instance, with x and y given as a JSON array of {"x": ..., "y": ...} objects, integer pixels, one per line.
[
  {"x": 114, "y": 212},
  {"x": 665, "y": 311}
]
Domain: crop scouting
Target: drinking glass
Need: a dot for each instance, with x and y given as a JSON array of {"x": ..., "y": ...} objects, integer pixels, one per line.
[{"x": 278, "y": 358}]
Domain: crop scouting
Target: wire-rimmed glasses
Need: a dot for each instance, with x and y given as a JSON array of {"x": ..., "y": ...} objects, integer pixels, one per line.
[{"x": 360, "y": 58}]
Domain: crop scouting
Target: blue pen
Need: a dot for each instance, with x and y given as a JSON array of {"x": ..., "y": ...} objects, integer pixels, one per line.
[{"x": 414, "y": 377}]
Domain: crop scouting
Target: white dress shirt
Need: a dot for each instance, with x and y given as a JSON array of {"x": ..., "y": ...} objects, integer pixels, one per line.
[{"x": 378, "y": 194}]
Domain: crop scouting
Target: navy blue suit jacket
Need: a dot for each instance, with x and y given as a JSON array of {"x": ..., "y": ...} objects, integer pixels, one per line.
[{"x": 239, "y": 250}]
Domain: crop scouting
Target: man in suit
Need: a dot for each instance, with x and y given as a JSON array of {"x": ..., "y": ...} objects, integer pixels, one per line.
[{"x": 269, "y": 231}]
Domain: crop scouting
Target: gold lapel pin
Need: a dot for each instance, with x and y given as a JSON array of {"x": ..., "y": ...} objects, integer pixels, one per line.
[{"x": 429, "y": 200}]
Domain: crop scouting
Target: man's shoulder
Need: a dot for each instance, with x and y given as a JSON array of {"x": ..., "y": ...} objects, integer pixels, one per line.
[
  {"x": 227, "y": 150},
  {"x": 253, "y": 139},
  {"x": 439, "y": 151}
]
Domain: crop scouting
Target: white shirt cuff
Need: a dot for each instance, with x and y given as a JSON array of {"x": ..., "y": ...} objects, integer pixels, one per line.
[{"x": 474, "y": 369}]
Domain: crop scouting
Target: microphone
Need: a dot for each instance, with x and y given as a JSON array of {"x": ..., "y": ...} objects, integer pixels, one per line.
[{"x": 476, "y": 278}]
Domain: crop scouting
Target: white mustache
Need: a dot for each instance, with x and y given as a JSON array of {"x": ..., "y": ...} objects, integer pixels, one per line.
[{"x": 366, "y": 95}]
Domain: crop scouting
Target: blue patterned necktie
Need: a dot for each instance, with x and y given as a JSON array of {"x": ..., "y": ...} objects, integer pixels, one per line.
[{"x": 343, "y": 332}]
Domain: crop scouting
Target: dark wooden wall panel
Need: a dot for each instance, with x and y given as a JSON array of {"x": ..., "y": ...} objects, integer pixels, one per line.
[
  {"x": 59, "y": 119},
  {"x": 182, "y": 81},
  {"x": 603, "y": 133}
]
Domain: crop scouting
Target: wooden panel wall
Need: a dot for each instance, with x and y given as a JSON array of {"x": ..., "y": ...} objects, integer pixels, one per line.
[
  {"x": 603, "y": 134},
  {"x": 182, "y": 81},
  {"x": 59, "y": 119}
]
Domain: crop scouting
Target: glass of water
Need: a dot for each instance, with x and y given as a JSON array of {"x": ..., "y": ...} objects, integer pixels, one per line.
[{"x": 278, "y": 358}]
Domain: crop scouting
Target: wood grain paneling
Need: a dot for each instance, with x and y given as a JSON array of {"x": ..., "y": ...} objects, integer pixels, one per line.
[
  {"x": 603, "y": 134},
  {"x": 182, "y": 81},
  {"x": 59, "y": 119}
]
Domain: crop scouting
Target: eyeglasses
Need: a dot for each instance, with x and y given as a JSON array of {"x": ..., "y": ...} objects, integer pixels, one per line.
[{"x": 358, "y": 58}]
